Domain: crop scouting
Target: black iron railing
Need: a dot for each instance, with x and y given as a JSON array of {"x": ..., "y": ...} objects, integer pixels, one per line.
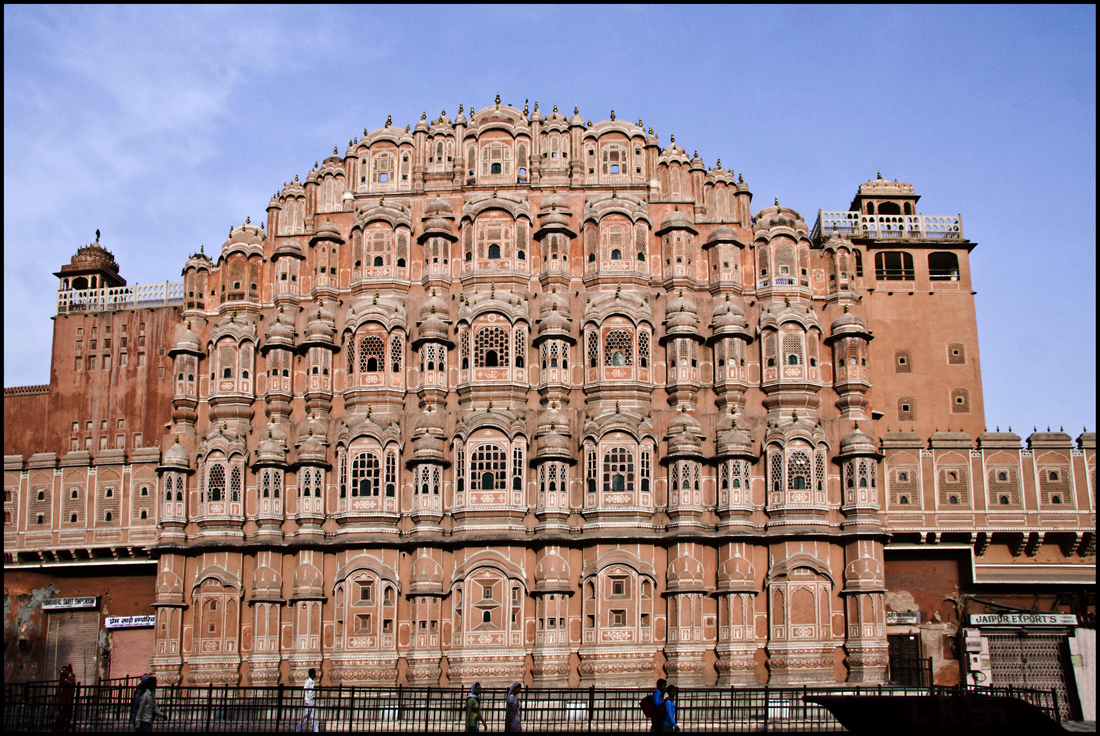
[{"x": 106, "y": 707}]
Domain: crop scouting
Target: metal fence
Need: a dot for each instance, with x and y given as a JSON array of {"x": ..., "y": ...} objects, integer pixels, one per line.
[{"x": 106, "y": 707}]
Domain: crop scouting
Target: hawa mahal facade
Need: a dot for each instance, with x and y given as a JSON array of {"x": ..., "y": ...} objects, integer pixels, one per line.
[{"x": 517, "y": 396}]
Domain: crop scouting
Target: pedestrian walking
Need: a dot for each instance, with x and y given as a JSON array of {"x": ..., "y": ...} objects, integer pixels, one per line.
[
  {"x": 135, "y": 700},
  {"x": 310, "y": 713},
  {"x": 657, "y": 706},
  {"x": 668, "y": 712},
  {"x": 147, "y": 707},
  {"x": 473, "y": 708},
  {"x": 66, "y": 694},
  {"x": 513, "y": 723}
]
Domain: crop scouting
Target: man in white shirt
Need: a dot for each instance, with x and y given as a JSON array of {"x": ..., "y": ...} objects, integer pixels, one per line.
[{"x": 310, "y": 704}]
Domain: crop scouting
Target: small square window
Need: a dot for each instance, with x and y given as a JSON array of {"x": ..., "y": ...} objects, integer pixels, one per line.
[
  {"x": 80, "y": 330},
  {"x": 1053, "y": 475}
]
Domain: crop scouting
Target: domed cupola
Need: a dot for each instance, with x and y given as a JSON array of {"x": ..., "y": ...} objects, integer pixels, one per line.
[
  {"x": 685, "y": 575},
  {"x": 93, "y": 267},
  {"x": 681, "y": 316},
  {"x": 777, "y": 217},
  {"x": 722, "y": 234},
  {"x": 320, "y": 328},
  {"x": 326, "y": 231},
  {"x": 426, "y": 575},
  {"x": 438, "y": 221},
  {"x": 176, "y": 458},
  {"x": 433, "y": 322},
  {"x": 857, "y": 443},
  {"x": 697, "y": 163},
  {"x": 684, "y": 434},
  {"x": 272, "y": 451},
  {"x": 729, "y": 319},
  {"x": 552, "y": 575},
  {"x": 732, "y": 441},
  {"x": 281, "y": 332},
  {"x": 676, "y": 220},
  {"x": 428, "y": 443},
  {"x": 247, "y": 239},
  {"x": 536, "y": 116},
  {"x": 313, "y": 442},
  {"x": 460, "y": 119},
  {"x": 576, "y": 119},
  {"x": 421, "y": 124},
  {"x": 187, "y": 342},
  {"x": 849, "y": 324}
]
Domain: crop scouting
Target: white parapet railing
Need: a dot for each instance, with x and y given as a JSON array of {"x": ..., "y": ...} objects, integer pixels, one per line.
[
  {"x": 913, "y": 227},
  {"x": 139, "y": 296}
]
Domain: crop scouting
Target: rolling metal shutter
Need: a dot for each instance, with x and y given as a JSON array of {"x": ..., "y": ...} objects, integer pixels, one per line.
[
  {"x": 1034, "y": 661},
  {"x": 131, "y": 650},
  {"x": 71, "y": 639}
]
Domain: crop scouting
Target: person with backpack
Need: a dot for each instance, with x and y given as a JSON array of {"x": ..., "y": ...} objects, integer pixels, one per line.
[
  {"x": 668, "y": 712},
  {"x": 652, "y": 705}
]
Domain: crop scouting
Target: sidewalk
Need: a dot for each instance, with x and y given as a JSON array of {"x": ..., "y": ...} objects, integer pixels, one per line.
[{"x": 1080, "y": 726}]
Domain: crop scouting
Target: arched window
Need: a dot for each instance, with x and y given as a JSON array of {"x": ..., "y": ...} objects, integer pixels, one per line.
[
  {"x": 491, "y": 340},
  {"x": 618, "y": 471},
  {"x": 616, "y": 254},
  {"x": 371, "y": 350},
  {"x": 943, "y": 267},
  {"x": 494, "y": 249},
  {"x": 216, "y": 482},
  {"x": 894, "y": 266},
  {"x": 488, "y": 468},
  {"x": 618, "y": 348},
  {"x": 365, "y": 475}
]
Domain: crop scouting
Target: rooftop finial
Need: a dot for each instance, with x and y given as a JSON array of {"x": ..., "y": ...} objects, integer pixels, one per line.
[
  {"x": 857, "y": 425},
  {"x": 335, "y": 150},
  {"x": 719, "y": 163},
  {"x": 555, "y": 108},
  {"x": 880, "y": 176},
  {"x": 424, "y": 115},
  {"x": 695, "y": 154},
  {"x": 787, "y": 301},
  {"x": 97, "y": 235},
  {"x": 740, "y": 179},
  {"x": 525, "y": 107},
  {"x": 672, "y": 138},
  {"x": 295, "y": 177},
  {"x": 651, "y": 130},
  {"x": 389, "y": 120},
  {"x": 845, "y": 309},
  {"x": 777, "y": 201},
  {"x": 498, "y": 99},
  {"x": 406, "y": 127},
  {"x": 612, "y": 114},
  {"x": 248, "y": 219},
  {"x": 576, "y": 110},
  {"x": 494, "y": 192},
  {"x": 616, "y": 407}
]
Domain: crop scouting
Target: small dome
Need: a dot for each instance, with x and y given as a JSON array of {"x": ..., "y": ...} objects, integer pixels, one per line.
[
  {"x": 576, "y": 119},
  {"x": 187, "y": 342},
  {"x": 736, "y": 573},
  {"x": 685, "y": 572},
  {"x": 176, "y": 457},
  {"x": 431, "y": 420},
  {"x": 327, "y": 231},
  {"x": 556, "y": 218},
  {"x": 270, "y": 448},
  {"x": 309, "y": 581},
  {"x": 320, "y": 326},
  {"x": 421, "y": 125},
  {"x": 681, "y": 303},
  {"x": 847, "y": 320},
  {"x": 279, "y": 333},
  {"x": 553, "y": 203},
  {"x": 728, "y": 314},
  {"x": 427, "y": 446},
  {"x": 438, "y": 206},
  {"x": 677, "y": 219},
  {"x": 553, "y": 418},
  {"x": 684, "y": 422},
  {"x": 267, "y": 583},
  {"x": 426, "y": 572},
  {"x": 555, "y": 322},
  {"x": 552, "y": 571},
  {"x": 857, "y": 443},
  {"x": 434, "y": 305},
  {"x": 433, "y": 328},
  {"x": 722, "y": 234},
  {"x": 553, "y": 443}
]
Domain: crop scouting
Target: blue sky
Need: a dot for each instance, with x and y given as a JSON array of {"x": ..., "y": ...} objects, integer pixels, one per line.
[{"x": 164, "y": 126}]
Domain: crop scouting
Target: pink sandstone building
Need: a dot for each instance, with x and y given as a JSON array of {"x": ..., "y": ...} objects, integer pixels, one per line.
[{"x": 516, "y": 396}]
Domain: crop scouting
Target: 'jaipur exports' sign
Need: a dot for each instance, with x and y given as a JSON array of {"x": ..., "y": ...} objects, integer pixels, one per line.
[
  {"x": 1023, "y": 619},
  {"x": 60, "y": 604},
  {"x": 129, "y": 622}
]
